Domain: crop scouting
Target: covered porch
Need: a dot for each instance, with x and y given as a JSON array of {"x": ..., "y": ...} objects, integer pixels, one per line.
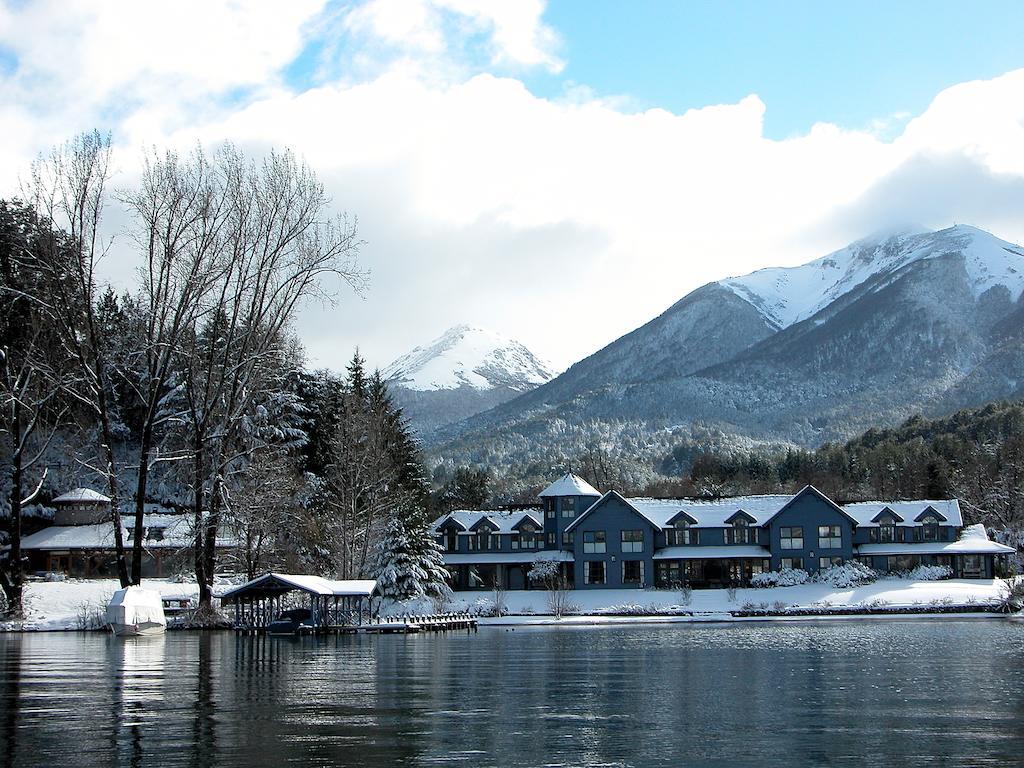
[
  {"x": 331, "y": 605},
  {"x": 709, "y": 567},
  {"x": 501, "y": 570}
]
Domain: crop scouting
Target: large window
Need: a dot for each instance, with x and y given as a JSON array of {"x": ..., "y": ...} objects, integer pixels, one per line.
[
  {"x": 524, "y": 541},
  {"x": 593, "y": 572},
  {"x": 568, "y": 506},
  {"x": 681, "y": 535},
  {"x": 792, "y": 563},
  {"x": 594, "y": 542},
  {"x": 632, "y": 541},
  {"x": 830, "y": 537},
  {"x": 885, "y": 533},
  {"x": 897, "y": 563},
  {"x": 633, "y": 572},
  {"x": 740, "y": 533},
  {"x": 791, "y": 537},
  {"x": 669, "y": 573},
  {"x": 828, "y": 562}
]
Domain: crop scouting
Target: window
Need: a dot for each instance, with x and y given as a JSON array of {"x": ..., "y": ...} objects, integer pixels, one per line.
[
  {"x": 551, "y": 539},
  {"x": 903, "y": 562},
  {"x": 493, "y": 542},
  {"x": 681, "y": 534},
  {"x": 740, "y": 533},
  {"x": 633, "y": 572},
  {"x": 792, "y": 563},
  {"x": 567, "y": 539},
  {"x": 830, "y": 537},
  {"x": 791, "y": 537},
  {"x": 930, "y": 529},
  {"x": 514, "y": 541},
  {"x": 594, "y": 542},
  {"x": 568, "y": 507},
  {"x": 669, "y": 573},
  {"x": 528, "y": 541},
  {"x": 632, "y": 541},
  {"x": 451, "y": 542},
  {"x": 593, "y": 572},
  {"x": 828, "y": 562},
  {"x": 550, "y": 512}
]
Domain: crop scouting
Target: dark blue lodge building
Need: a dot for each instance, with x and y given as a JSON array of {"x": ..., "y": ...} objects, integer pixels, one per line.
[{"x": 606, "y": 540}]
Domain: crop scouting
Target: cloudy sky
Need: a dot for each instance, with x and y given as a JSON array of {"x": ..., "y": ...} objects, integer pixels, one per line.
[{"x": 557, "y": 172}]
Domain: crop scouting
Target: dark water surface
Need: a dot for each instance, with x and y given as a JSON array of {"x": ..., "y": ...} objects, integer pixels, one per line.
[{"x": 842, "y": 693}]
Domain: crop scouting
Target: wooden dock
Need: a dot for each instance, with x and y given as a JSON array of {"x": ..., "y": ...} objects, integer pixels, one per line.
[{"x": 406, "y": 623}]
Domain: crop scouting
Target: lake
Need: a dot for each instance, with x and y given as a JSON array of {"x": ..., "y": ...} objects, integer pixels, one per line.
[{"x": 947, "y": 692}]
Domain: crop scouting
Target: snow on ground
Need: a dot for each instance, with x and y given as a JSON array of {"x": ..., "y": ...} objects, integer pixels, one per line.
[
  {"x": 56, "y": 605},
  {"x": 61, "y": 605},
  {"x": 530, "y": 606}
]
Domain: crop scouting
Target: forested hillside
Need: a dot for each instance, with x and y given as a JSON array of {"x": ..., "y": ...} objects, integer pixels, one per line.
[{"x": 976, "y": 455}]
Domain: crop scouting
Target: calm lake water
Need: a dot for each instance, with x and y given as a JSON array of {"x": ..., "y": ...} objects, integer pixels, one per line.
[{"x": 841, "y": 693}]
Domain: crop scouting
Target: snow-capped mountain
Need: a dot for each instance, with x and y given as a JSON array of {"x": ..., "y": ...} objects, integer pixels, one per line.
[
  {"x": 787, "y": 295},
  {"x": 464, "y": 371},
  {"x": 468, "y": 356},
  {"x": 889, "y": 326}
]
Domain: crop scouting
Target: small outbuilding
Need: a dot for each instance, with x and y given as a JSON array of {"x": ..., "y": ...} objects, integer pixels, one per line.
[{"x": 333, "y": 605}]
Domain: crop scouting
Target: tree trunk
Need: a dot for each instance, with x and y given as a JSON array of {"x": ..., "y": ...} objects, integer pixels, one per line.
[
  {"x": 14, "y": 579},
  {"x": 114, "y": 489},
  {"x": 140, "y": 502},
  {"x": 199, "y": 555}
]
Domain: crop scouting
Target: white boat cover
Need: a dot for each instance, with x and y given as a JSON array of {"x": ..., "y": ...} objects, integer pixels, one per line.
[{"x": 135, "y": 606}]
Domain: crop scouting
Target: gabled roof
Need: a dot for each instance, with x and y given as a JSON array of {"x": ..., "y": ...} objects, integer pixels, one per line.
[
  {"x": 485, "y": 520},
  {"x": 603, "y": 500},
  {"x": 314, "y": 585},
  {"x": 866, "y": 511},
  {"x": 570, "y": 485},
  {"x": 80, "y": 495},
  {"x": 526, "y": 519},
  {"x": 810, "y": 490},
  {"x": 680, "y": 515},
  {"x": 886, "y": 512},
  {"x": 468, "y": 519},
  {"x": 740, "y": 514},
  {"x": 930, "y": 511}
]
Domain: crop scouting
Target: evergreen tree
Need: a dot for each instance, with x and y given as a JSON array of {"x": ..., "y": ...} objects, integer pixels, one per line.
[{"x": 409, "y": 560}]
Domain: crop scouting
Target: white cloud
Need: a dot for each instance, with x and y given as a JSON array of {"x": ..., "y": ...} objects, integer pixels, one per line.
[{"x": 566, "y": 222}]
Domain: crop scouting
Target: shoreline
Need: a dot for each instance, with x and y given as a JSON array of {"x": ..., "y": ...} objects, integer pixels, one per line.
[{"x": 598, "y": 620}]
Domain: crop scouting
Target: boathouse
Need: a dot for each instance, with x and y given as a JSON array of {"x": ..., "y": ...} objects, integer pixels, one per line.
[{"x": 326, "y": 605}]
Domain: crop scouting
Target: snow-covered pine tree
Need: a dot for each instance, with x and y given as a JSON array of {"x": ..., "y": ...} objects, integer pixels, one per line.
[{"x": 409, "y": 560}]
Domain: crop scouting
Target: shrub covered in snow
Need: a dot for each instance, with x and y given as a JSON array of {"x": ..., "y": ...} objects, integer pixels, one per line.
[
  {"x": 851, "y": 574},
  {"x": 787, "y": 577},
  {"x": 930, "y": 573}
]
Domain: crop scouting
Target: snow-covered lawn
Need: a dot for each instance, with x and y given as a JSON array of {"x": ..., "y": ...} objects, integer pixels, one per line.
[
  {"x": 704, "y": 604},
  {"x": 55, "y": 605}
]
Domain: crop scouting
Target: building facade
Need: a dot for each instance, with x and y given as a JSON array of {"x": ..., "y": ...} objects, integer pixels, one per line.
[{"x": 609, "y": 541}]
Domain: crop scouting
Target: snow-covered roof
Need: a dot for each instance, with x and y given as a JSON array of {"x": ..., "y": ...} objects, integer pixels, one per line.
[
  {"x": 973, "y": 540},
  {"x": 709, "y": 514},
  {"x": 506, "y": 522},
  {"x": 570, "y": 485},
  {"x": 79, "y": 495},
  {"x": 176, "y": 532},
  {"x": 864, "y": 512},
  {"x": 523, "y": 556},
  {"x": 316, "y": 585},
  {"x": 712, "y": 553}
]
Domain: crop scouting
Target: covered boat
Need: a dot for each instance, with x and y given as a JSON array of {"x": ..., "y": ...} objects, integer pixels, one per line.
[{"x": 136, "y": 611}]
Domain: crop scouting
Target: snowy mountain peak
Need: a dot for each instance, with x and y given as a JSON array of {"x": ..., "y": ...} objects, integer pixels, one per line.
[
  {"x": 787, "y": 295},
  {"x": 469, "y": 356}
]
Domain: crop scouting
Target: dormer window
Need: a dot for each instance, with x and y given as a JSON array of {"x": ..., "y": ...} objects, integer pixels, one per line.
[
  {"x": 930, "y": 528},
  {"x": 740, "y": 533},
  {"x": 886, "y": 531},
  {"x": 681, "y": 534}
]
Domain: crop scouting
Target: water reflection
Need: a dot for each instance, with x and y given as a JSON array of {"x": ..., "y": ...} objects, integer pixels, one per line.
[{"x": 939, "y": 693}]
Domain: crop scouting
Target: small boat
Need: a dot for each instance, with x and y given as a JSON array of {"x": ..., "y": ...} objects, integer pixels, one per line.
[
  {"x": 291, "y": 623},
  {"x": 136, "y": 611}
]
